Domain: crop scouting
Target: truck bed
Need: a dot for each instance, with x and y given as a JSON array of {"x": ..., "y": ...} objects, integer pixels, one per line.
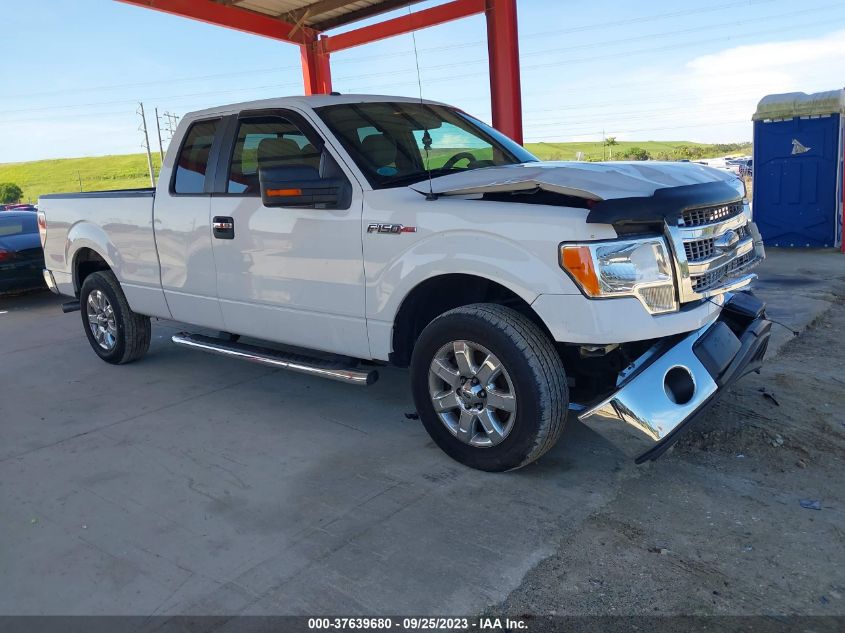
[
  {"x": 118, "y": 225},
  {"x": 141, "y": 192}
]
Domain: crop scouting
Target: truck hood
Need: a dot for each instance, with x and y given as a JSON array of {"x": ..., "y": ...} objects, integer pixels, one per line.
[{"x": 592, "y": 181}]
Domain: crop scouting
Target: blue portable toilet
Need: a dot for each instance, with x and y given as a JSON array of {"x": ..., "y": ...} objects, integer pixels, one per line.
[{"x": 797, "y": 168}]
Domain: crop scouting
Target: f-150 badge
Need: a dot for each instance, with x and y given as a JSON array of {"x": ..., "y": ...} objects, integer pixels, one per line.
[{"x": 392, "y": 229}]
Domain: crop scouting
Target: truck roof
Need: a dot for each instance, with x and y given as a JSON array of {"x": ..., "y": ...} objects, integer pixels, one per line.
[{"x": 312, "y": 101}]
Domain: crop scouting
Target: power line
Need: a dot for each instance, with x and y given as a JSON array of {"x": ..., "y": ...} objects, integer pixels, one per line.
[
  {"x": 527, "y": 67},
  {"x": 536, "y": 34},
  {"x": 593, "y": 58}
]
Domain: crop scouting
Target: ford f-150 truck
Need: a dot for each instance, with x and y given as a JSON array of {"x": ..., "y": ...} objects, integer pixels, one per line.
[{"x": 333, "y": 234}]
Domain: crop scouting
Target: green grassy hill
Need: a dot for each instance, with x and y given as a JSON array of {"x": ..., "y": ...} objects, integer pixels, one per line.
[
  {"x": 130, "y": 170},
  {"x": 64, "y": 174}
]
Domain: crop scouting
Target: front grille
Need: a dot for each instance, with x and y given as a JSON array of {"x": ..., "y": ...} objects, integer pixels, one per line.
[
  {"x": 709, "y": 215},
  {"x": 711, "y": 259},
  {"x": 699, "y": 250},
  {"x": 713, "y": 278}
]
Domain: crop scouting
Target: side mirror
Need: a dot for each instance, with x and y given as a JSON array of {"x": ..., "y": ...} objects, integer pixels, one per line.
[{"x": 298, "y": 186}]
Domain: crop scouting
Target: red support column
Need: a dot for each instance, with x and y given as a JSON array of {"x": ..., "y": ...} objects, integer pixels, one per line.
[
  {"x": 316, "y": 68},
  {"x": 503, "y": 51}
]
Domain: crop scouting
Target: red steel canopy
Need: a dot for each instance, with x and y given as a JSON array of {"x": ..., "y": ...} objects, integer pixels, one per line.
[{"x": 303, "y": 22}]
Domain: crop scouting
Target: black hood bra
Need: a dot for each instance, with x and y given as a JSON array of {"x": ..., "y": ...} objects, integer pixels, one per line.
[{"x": 664, "y": 205}]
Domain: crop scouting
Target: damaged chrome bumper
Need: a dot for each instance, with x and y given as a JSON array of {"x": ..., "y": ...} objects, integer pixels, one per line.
[{"x": 668, "y": 386}]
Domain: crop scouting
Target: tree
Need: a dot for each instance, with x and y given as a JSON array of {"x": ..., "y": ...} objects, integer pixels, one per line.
[
  {"x": 10, "y": 192},
  {"x": 637, "y": 153},
  {"x": 609, "y": 142},
  {"x": 689, "y": 152}
]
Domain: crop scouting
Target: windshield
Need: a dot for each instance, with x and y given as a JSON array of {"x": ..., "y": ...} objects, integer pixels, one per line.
[{"x": 398, "y": 143}]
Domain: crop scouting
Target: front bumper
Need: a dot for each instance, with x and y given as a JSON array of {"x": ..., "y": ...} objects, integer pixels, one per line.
[{"x": 667, "y": 387}]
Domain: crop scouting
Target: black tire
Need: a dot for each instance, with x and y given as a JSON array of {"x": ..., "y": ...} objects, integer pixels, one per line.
[
  {"x": 132, "y": 339},
  {"x": 535, "y": 369}
]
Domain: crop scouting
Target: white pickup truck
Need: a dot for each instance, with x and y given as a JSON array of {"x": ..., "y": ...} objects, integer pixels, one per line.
[{"x": 366, "y": 230}]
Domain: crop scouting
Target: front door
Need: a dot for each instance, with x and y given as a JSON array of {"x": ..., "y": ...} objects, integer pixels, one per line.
[{"x": 289, "y": 275}]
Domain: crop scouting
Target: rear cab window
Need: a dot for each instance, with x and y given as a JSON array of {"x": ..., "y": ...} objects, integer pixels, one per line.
[{"x": 192, "y": 163}]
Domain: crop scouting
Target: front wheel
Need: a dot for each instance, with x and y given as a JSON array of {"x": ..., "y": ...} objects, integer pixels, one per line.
[
  {"x": 489, "y": 386},
  {"x": 116, "y": 333}
]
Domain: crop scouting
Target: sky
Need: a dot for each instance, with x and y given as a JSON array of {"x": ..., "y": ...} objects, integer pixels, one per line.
[{"x": 73, "y": 71}]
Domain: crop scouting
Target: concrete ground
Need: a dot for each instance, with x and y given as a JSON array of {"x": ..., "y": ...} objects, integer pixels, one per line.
[{"x": 192, "y": 484}]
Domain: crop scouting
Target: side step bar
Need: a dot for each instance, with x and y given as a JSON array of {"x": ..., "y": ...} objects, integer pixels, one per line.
[{"x": 276, "y": 358}]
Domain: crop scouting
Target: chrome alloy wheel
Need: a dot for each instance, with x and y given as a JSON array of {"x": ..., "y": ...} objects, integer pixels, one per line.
[
  {"x": 472, "y": 393},
  {"x": 101, "y": 320}
]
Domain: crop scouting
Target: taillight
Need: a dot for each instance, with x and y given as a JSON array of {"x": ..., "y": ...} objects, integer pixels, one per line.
[
  {"x": 42, "y": 228},
  {"x": 5, "y": 255}
]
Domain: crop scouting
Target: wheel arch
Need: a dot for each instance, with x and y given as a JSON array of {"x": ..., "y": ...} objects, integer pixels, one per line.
[
  {"x": 87, "y": 260},
  {"x": 436, "y": 295}
]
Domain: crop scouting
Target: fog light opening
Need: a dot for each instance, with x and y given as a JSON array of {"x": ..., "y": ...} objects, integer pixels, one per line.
[{"x": 679, "y": 385}]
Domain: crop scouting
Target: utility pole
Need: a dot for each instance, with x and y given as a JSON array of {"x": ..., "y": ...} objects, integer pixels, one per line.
[
  {"x": 172, "y": 122},
  {"x": 146, "y": 144},
  {"x": 603, "y": 145},
  {"x": 160, "y": 145},
  {"x": 80, "y": 180}
]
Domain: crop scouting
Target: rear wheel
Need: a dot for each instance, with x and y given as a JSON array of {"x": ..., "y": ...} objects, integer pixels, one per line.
[
  {"x": 116, "y": 333},
  {"x": 489, "y": 386}
]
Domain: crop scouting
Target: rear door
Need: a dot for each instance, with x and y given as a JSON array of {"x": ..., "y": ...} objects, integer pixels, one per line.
[
  {"x": 289, "y": 275},
  {"x": 183, "y": 229}
]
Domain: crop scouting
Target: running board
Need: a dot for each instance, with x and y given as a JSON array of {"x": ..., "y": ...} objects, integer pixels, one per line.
[{"x": 276, "y": 358}]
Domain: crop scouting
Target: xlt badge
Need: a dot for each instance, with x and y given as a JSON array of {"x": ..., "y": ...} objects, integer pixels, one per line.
[{"x": 393, "y": 229}]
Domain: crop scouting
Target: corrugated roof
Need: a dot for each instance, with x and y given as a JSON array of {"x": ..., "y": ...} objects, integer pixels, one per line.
[
  {"x": 795, "y": 104},
  {"x": 320, "y": 15}
]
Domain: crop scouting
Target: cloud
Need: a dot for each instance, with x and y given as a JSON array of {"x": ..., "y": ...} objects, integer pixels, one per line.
[
  {"x": 708, "y": 98},
  {"x": 723, "y": 88},
  {"x": 771, "y": 56}
]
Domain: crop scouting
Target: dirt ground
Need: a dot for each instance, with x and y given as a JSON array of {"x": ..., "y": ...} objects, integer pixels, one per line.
[{"x": 728, "y": 534}]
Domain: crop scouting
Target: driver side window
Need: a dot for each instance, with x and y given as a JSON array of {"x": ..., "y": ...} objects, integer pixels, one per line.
[
  {"x": 449, "y": 140},
  {"x": 267, "y": 142}
]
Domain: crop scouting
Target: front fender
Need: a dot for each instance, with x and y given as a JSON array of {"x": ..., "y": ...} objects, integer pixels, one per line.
[{"x": 484, "y": 255}]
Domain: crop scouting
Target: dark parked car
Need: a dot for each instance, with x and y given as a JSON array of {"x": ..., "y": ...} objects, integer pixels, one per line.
[{"x": 21, "y": 255}]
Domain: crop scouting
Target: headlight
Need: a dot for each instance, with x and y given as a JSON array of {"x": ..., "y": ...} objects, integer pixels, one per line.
[{"x": 626, "y": 268}]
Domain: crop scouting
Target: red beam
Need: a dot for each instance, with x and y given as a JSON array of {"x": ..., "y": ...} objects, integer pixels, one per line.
[
  {"x": 404, "y": 24},
  {"x": 231, "y": 17},
  {"x": 316, "y": 69},
  {"x": 503, "y": 52}
]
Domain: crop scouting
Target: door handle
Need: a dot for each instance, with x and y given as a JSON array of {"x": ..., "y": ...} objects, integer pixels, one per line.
[{"x": 223, "y": 227}]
